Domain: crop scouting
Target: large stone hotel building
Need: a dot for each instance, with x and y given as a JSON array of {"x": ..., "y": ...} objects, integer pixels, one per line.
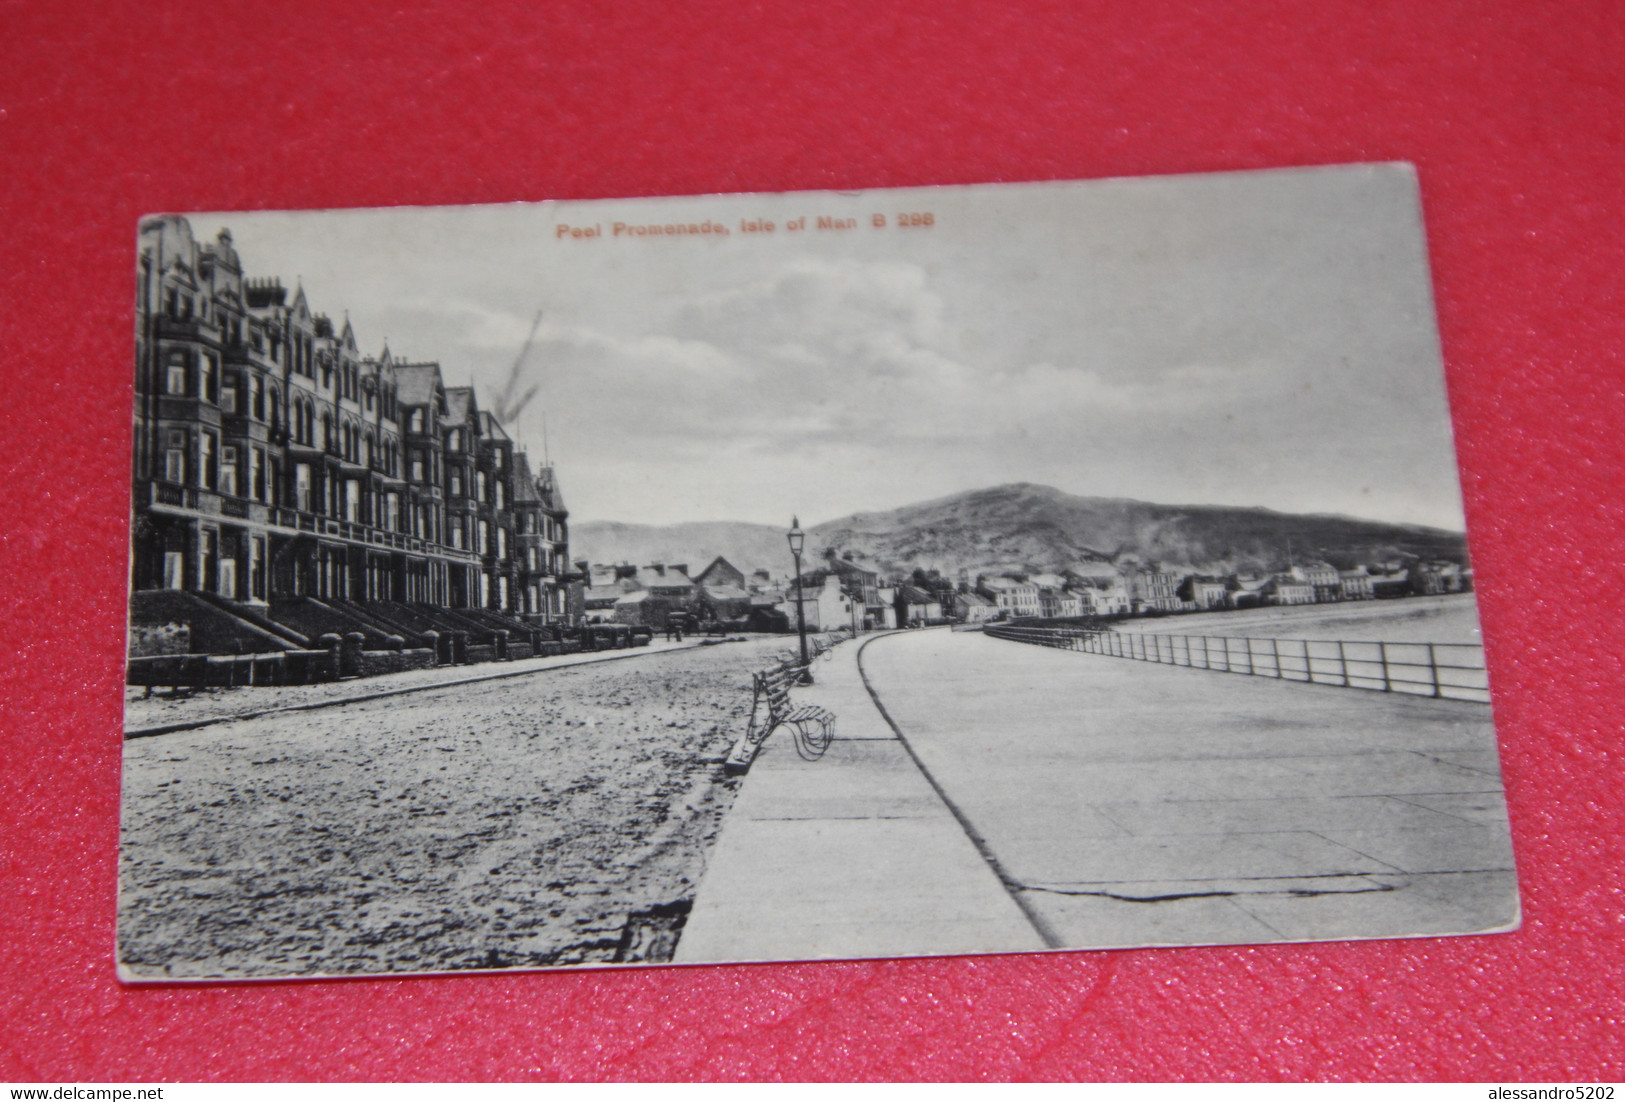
[{"x": 274, "y": 462}]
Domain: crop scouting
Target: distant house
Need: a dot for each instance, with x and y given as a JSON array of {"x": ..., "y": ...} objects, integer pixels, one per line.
[
  {"x": 598, "y": 602},
  {"x": 1355, "y": 585},
  {"x": 863, "y": 588},
  {"x": 916, "y": 606},
  {"x": 1152, "y": 589},
  {"x": 883, "y": 615},
  {"x": 1101, "y": 595},
  {"x": 640, "y": 607},
  {"x": 1054, "y": 602},
  {"x": 973, "y": 608},
  {"x": 1391, "y": 583},
  {"x": 1327, "y": 582},
  {"x": 724, "y": 602},
  {"x": 721, "y": 572},
  {"x": 1432, "y": 578},
  {"x": 671, "y": 582},
  {"x": 630, "y": 595},
  {"x": 1284, "y": 589},
  {"x": 1012, "y": 597},
  {"x": 1204, "y": 592},
  {"x": 823, "y": 604}
]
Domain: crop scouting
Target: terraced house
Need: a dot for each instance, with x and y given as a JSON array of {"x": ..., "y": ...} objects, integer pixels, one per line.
[{"x": 275, "y": 464}]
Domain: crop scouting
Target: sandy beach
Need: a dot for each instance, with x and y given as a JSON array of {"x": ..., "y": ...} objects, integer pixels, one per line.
[{"x": 513, "y": 823}]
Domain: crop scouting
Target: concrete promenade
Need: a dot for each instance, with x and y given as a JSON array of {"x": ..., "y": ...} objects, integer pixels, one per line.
[
  {"x": 853, "y": 855},
  {"x": 1123, "y": 803}
]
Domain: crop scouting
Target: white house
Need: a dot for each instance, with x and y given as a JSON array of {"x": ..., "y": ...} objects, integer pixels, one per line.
[
  {"x": 1010, "y": 596},
  {"x": 823, "y": 604}
]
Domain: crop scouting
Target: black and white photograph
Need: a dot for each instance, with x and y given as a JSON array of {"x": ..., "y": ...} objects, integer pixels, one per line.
[{"x": 970, "y": 569}]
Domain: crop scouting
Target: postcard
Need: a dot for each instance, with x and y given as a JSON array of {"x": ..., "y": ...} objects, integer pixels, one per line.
[{"x": 974, "y": 569}]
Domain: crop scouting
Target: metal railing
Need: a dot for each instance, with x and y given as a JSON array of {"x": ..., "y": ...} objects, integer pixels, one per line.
[{"x": 1447, "y": 671}]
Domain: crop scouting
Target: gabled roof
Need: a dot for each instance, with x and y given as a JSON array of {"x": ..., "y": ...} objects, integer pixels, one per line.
[
  {"x": 415, "y": 383},
  {"x": 459, "y": 400},
  {"x": 714, "y": 564},
  {"x": 547, "y": 485},
  {"x": 524, "y": 486},
  {"x": 491, "y": 428}
]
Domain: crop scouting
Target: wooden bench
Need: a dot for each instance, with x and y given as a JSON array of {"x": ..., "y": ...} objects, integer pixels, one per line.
[{"x": 772, "y": 708}]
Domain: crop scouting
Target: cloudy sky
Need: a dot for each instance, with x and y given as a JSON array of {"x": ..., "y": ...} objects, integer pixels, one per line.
[{"x": 1248, "y": 338}]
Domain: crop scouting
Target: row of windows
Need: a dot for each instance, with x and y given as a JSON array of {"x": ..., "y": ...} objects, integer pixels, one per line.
[
  {"x": 200, "y": 379},
  {"x": 492, "y": 491},
  {"x": 237, "y": 567},
  {"x": 481, "y": 543},
  {"x": 540, "y": 524},
  {"x": 417, "y": 419},
  {"x": 352, "y": 441},
  {"x": 245, "y": 472},
  {"x": 305, "y": 360}
]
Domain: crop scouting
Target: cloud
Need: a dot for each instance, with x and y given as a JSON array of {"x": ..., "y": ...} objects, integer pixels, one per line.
[{"x": 829, "y": 356}]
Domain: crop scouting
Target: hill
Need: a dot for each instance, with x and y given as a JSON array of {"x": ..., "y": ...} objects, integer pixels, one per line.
[{"x": 1024, "y": 527}]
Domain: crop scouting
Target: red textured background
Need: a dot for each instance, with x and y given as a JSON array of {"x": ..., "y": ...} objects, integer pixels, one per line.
[{"x": 1512, "y": 111}]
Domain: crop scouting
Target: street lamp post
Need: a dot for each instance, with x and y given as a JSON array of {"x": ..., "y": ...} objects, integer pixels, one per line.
[{"x": 798, "y": 539}]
